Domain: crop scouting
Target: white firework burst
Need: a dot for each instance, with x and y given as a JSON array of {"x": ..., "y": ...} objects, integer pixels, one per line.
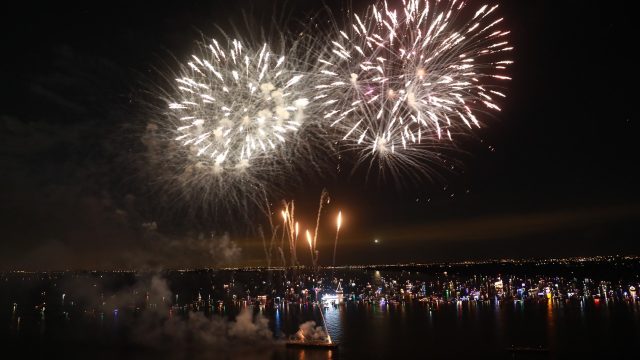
[
  {"x": 237, "y": 106},
  {"x": 400, "y": 82},
  {"x": 235, "y": 125}
]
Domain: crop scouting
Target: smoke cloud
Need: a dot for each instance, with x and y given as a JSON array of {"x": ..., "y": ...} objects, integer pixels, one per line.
[
  {"x": 159, "y": 327},
  {"x": 309, "y": 331},
  {"x": 186, "y": 251}
]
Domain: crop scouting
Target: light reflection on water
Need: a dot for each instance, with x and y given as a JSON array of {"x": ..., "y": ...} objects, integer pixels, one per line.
[
  {"x": 389, "y": 330},
  {"x": 333, "y": 318}
]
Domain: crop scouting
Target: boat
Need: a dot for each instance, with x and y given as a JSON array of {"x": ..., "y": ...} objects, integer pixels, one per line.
[
  {"x": 300, "y": 341},
  {"x": 312, "y": 344},
  {"x": 527, "y": 349}
]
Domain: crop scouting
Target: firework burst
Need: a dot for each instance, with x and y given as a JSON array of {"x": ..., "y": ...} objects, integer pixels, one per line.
[
  {"x": 237, "y": 106},
  {"x": 400, "y": 83},
  {"x": 235, "y": 123}
]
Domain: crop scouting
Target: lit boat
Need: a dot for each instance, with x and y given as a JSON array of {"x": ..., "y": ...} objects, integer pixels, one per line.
[
  {"x": 527, "y": 349},
  {"x": 313, "y": 344},
  {"x": 301, "y": 341}
]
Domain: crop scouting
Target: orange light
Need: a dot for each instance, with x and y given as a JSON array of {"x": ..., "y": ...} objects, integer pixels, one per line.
[{"x": 309, "y": 238}]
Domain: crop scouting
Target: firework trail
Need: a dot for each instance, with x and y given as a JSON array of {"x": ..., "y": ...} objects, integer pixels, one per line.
[
  {"x": 268, "y": 248},
  {"x": 335, "y": 242},
  {"x": 399, "y": 83},
  {"x": 288, "y": 219},
  {"x": 291, "y": 229},
  {"x": 324, "y": 199},
  {"x": 291, "y": 226},
  {"x": 313, "y": 240},
  {"x": 284, "y": 232},
  {"x": 312, "y": 251}
]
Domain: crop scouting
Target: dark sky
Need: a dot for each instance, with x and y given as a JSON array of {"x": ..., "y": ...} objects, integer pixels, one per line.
[{"x": 553, "y": 175}]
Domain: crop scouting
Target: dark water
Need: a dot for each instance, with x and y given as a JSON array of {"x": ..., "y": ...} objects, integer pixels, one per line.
[
  {"x": 484, "y": 329},
  {"x": 565, "y": 329}
]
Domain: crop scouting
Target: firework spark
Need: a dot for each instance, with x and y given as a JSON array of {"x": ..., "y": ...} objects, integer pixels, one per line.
[{"x": 400, "y": 82}]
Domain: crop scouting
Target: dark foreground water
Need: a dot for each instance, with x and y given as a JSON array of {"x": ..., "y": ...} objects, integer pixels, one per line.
[
  {"x": 566, "y": 330},
  {"x": 140, "y": 328}
]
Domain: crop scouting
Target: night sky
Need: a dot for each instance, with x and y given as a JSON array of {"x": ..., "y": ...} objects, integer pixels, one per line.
[{"x": 552, "y": 175}]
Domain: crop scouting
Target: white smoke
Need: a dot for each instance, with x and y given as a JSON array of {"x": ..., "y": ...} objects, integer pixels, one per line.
[
  {"x": 158, "y": 327},
  {"x": 309, "y": 331},
  {"x": 223, "y": 250},
  {"x": 246, "y": 327},
  {"x": 194, "y": 250}
]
